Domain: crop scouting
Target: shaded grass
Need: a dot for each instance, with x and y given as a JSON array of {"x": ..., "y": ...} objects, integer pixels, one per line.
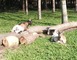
[{"x": 42, "y": 48}]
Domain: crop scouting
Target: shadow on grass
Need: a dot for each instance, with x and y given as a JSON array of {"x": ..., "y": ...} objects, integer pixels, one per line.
[
  {"x": 12, "y": 19},
  {"x": 72, "y": 16},
  {"x": 44, "y": 23}
]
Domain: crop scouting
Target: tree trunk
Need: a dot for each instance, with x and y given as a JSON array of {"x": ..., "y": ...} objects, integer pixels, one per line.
[
  {"x": 76, "y": 5},
  {"x": 37, "y": 29},
  {"x": 64, "y": 27},
  {"x": 27, "y": 7},
  {"x": 39, "y": 9},
  {"x": 2, "y": 36},
  {"x": 53, "y": 8},
  {"x": 64, "y": 11},
  {"x": 11, "y": 41},
  {"x": 23, "y": 5},
  {"x": 45, "y": 4},
  {"x": 46, "y": 7},
  {"x": 28, "y": 38}
]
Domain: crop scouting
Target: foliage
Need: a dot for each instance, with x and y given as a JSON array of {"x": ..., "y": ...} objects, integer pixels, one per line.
[{"x": 42, "y": 48}]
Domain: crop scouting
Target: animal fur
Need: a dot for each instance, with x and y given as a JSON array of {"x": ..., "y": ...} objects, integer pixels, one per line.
[
  {"x": 58, "y": 37},
  {"x": 55, "y": 36},
  {"x": 62, "y": 39},
  {"x": 21, "y": 27},
  {"x": 17, "y": 29}
]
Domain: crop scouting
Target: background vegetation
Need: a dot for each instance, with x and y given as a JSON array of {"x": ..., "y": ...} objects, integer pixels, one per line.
[
  {"x": 6, "y": 5},
  {"x": 42, "y": 48}
]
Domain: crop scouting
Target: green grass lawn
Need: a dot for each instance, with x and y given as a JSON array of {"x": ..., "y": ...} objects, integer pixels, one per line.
[{"x": 42, "y": 48}]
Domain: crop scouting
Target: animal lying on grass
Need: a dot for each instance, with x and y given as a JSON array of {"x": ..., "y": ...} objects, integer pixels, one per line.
[
  {"x": 21, "y": 27},
  {"x": 58, "y": 37}
]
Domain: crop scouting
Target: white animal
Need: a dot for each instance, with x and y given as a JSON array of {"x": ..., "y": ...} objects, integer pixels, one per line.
[
  {"x": 55, "y": 36},
  {"x": 17, "y": 29}
]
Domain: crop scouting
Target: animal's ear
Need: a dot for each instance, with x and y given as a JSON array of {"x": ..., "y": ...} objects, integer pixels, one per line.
[{"x": 30, "y": 20}]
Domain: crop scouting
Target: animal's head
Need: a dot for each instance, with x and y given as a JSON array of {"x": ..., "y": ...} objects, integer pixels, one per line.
[{"x": 29, "y": 22}]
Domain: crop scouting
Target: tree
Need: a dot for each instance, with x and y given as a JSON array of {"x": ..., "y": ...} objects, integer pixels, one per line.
[
  {"x": 64, "y": 11},
  {"x": 27, "y": 7},
  {"x": 23, "y": 6},
  {"x": 53, "y": 8},
  {"x": 39, "y": 9},
  {"x": 45, "y": 4},
  {"x": 76, "y": 5}
]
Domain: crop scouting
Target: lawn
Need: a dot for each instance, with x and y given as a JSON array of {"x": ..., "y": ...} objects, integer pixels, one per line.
[{"x": 42, "y": 48}]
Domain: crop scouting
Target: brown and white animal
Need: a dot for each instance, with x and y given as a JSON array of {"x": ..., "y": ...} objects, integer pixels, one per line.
[
  {"x": 58, "y": 37},
  {"x": 21, "y": 27},
  {"x": 62, "y": 39}
]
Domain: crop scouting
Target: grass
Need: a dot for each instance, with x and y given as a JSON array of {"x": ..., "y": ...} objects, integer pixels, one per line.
[{"x": 42, "y": 48}]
